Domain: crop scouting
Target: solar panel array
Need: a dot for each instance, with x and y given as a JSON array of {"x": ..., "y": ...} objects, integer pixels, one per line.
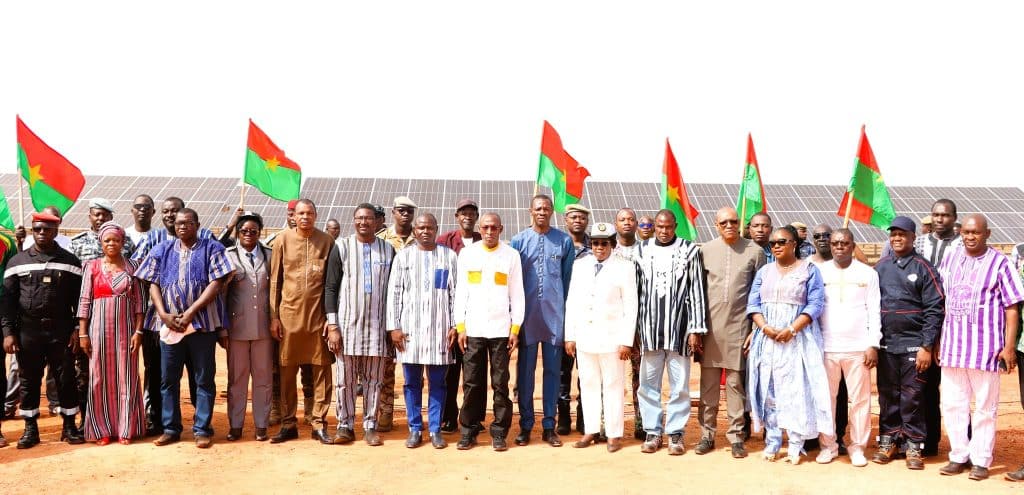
[{"x": 215, "y": 198}]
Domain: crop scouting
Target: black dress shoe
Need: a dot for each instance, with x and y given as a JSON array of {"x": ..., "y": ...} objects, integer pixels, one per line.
[
  {"x": 738, "y": 450},
  {"x": 437, "y": 441},
  {"x": 467, "y": 441},
  {"x": 551, "y": 438},
  {"x": 415, "y": 440},
  {"x": 321, "y": 435},
  {"x": 704, "y": 446},
  {"x": 372, "y": 438},
  {"x": 498, "y": 443},
  {"x": 523, "y": 438},
  {"x": 234, "y": 434},
  {"x": 284, "y": 435},
  {"x": 154, "y": 431},
  {"x": 449, "y": 427},
  {"x": 261, "y": 435},
  {"x": 344, "y": 435}
]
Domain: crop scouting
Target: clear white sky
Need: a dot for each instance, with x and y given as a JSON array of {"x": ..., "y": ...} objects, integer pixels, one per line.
[{"x": 459, "y": 89}]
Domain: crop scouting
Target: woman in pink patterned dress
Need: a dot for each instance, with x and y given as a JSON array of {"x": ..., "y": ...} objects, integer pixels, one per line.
[{"x": 110, "y": 311}]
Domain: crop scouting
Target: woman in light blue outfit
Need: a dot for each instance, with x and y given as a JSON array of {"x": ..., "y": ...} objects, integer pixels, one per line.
[{"x": 787, "y": 387}]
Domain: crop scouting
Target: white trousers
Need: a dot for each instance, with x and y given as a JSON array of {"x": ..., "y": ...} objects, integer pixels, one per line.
[
  {"x": 602, "y": 378},
  {"x": 959, "y": 386},
  {"x": 858, "y": 384}
]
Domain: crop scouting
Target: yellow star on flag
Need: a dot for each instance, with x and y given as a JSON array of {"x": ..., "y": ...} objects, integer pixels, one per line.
[
  {"x": 272, "y": 163},
  {"x": 673, "y": 194},
  {"x": 34, "y": 175}
]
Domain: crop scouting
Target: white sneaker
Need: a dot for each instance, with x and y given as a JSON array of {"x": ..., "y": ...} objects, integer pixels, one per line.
[
  {"x": 825, "y": 456},
  {"x": 794, "y": 459},
  {"x": 858, "y": 459}
]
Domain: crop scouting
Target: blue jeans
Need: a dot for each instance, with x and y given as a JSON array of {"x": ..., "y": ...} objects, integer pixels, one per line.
[
  {"x": 199, "y": 348},
  {"x": 436, "y": 395},
  {"x": 526, "y": 373},
  {"x": 652, "y": 367}
]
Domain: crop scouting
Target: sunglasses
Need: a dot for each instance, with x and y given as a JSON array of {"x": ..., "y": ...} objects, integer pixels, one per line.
[
  {"x": 248, "y": 232},
  {"x": 779, "y": 242},
  {"x": 602, "y": 242},
  {"x": 840, "y": 243},
  {"x": 645, "y": 225},
  {"x": 142, "y": 207},
  {"x": 822, "y": 235},
  {"x": 42, "y": 229}
]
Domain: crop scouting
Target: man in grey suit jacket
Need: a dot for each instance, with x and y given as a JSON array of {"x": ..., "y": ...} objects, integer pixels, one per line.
[{"x": 250, "y": 346}]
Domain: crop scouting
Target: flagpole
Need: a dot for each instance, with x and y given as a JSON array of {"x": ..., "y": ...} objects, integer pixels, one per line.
[
  {"x": 849, "y": 205},
  {"x": 21, "y": 205},
  {"x": 743, "y": 212}
]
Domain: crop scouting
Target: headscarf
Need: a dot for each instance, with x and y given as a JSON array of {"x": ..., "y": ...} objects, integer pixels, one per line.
[{"x": 111, "y": 227}]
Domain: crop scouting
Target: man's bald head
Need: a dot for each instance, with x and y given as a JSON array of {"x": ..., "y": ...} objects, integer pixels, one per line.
[{"x": 975, "y": 232}]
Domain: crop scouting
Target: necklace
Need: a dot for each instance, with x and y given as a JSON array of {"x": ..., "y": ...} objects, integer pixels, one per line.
[{"x": 786, "y": 267}]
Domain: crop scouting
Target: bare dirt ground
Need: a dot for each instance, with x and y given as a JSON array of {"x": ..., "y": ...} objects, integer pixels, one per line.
[{"x": 248, "y": 466}]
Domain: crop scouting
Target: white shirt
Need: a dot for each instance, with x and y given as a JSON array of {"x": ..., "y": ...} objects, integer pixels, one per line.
[
  {"x": 601, "y": 309},
  {"x": 851, "y": 319},
  {"x": 489, "y": 296},
  {"x": 135, "y": 235}
]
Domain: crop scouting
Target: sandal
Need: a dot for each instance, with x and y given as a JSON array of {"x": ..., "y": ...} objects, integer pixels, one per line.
[{"x": 102, "y": 441}]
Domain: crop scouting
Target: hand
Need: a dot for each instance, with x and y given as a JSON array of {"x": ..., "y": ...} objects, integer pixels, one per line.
[
  {"x": 398, "y": 339},
  {"x": 275, "y": 329},
  {"x": 870, "y": 357},
  {"x": 624, "y": 352},
  {"x": 185, "y": 319},
  {"x": 171, "y": 321},
  {"x": 135, "y": 344},
  {"x": 513, "y": 342},
  {"x": 223, "y": 341},
  {"x": 334, "y": 339},
  {"x": 85, "y": 345},
  {"x": 923, "y": 360},
  {"x": 453, "y": 333},
  {"x": 570, "y": 348},
  {"x": 746, "y": 344},
  {"x": 11, "y": 344},
  {"x": 1010, "y": 357},
  {"x": 462, "y": 341},
  {"x": 936, "y": 352},
  {"x": 696, "y": 342},
  {"x": 19, "y": 234},
  {"x": 73, "y": 343}
]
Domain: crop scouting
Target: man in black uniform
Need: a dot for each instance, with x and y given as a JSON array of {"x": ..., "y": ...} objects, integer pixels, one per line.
[
  {"x": 41, "y": 289},
  {"x": 912, "y": 313}
]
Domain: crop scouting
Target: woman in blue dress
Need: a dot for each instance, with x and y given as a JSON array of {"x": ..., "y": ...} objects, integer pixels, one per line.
[{"x": 787, "y": 386}]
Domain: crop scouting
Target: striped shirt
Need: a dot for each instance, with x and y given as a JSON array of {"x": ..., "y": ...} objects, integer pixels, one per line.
[
  {"x": 935, "y": 250},
  {"x": 673, "y": 296},
  {"x": 978, "y": 289},
  {"x": 183, "y": 274},
  {"x": 157, "y": 235},
  {"x": 355, "y": 292},
  {"x": 420, "y": 299}
]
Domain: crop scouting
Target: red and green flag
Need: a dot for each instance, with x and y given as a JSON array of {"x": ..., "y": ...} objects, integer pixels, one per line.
[
  {"x": 52, "y": 179},
  {"x": 866, "y": 199},
  {"x": 751, "y": 200},
  {"x": 267, "y": 169},
  {"x": 675, "y": 198},
  {"x": 559, "y": 171},
  {"x": 6, "y": 220}
]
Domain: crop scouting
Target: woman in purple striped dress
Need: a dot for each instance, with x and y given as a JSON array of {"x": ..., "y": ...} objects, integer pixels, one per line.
[{"x": 110, "y": 311}]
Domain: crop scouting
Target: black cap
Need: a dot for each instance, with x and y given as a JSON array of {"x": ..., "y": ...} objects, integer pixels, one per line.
[
  {"x": 249, "y": 215},
  {"x": 903, "y": 223}
]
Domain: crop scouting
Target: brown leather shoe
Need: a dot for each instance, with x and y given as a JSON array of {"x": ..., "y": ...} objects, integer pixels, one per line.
[
  {"x": 344, "y": 435},
  {"x": 551, "y": 438},
  {"x": 372, "y": 438},
  {"x": 914, "y": 459},
  {"x": 614, "y": 444},
  {"x": 204, "y": 441},
  {"x": 1017, "y": 475},
  {"x": 166, "y": 439},
  {"x": 953, "y": 468},
  {"x": 978, "y": 473},
  {"x": 584, "y": 442}
]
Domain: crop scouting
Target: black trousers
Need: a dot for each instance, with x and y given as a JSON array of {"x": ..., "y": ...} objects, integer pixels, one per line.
[
  {"x": 32, "y": 362},
  {"x": 13, "y": 386},
  {"x": 900, "y": 394},
  {"x": 452, "y": 381},
  {"x": 151, "y": 379},
  {"x": 565, "y": 386},
  {"x": 932, "y": 416},
  {"x": 479, "y": 353}
]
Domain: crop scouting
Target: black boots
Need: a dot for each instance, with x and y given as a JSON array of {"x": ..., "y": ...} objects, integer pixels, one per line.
[
  {"x": 564, "y": 420},
  {"x": 69, "y": 433},
  {"x": 30, "y": 438}
]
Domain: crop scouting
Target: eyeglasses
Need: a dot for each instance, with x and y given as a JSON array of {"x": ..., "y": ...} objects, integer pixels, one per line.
[
  {"x": 248, "y": 232},
  {"x": 142, "y": 207},
  {"x": 729, "y": 221},
  {"x": 645, "y": 225},
  {"x": 840, "y": 243},
  {"x": 600, "y": 242},
  {"x": 779, "y": 242},
  {"x": 822, "y": 235}
]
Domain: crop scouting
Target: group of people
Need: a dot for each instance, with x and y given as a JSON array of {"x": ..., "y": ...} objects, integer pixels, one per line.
[{"x": 789, "y": 328}]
